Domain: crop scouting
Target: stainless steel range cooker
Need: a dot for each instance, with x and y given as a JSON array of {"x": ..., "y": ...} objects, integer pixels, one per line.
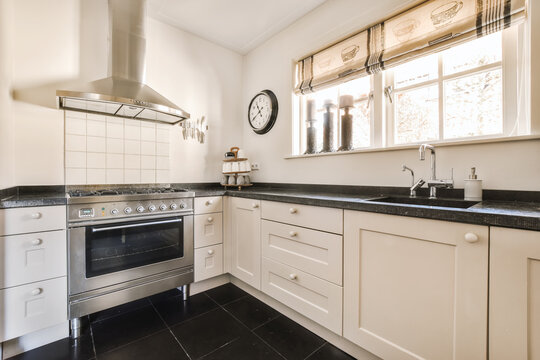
[{"x": 125, "y": 244}]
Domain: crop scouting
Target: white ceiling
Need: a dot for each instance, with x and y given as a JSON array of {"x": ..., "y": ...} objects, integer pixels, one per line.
[{"x": 240, "y": 25}]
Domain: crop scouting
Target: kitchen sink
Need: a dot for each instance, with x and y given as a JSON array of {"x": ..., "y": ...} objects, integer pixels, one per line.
[{"x": 448, "y": 203}]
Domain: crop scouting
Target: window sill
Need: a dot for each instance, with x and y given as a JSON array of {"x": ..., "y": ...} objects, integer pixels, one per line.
[{"x": 415, "y": 146}]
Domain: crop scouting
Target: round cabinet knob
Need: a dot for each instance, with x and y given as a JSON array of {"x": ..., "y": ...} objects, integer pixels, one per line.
[
  {"x": 209, "y": 202},
  {"x": 152, "y": 208},
  {"x": 37, "y": 291},
  {"x": 114, "y": 211},
  {"x": 128, "y": 210},
  {"x": 293, "y": 233},
  {"x": 173, "y": 206},
  {"x": 140, "y": 209},
  {"x": 210, "y": 219},
  {"x": 210, "y": 252},
  {"x": 471, "y": 237},
  {"x": 182, "y": 205},
  {"x": 293, "y": 210},
  {"x": 36, "y": 215},
  {"x": 162, "y": 207},
  {"x": 255, "y": 206},
  {"x": 293, "y": 276},
  {"x": 36, "y": 242}
]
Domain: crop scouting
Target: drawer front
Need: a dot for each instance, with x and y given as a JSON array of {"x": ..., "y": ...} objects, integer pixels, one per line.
[
  {"x": 210, "y": 204},
  {"x": 315, "y": 217},
  {"x": 317, "y": 299},
  {"x": 32, "y": 257},
  {"x": 208, "y": 262},
  {"x": 208, "y": 229},
  {"x": 32, "y": 219},
  {"x": 32, "y": 307},
  {"x": 314, "y": 252}
]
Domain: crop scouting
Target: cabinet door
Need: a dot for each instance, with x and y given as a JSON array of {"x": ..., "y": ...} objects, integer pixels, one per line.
[
  {"x": 514, "y": 300},
  {"x": 246, "y": 240},
  {"x": 208, "y": 229},
  {"x": 208, "y": 262},
  {"x": 415, "y": 288}
]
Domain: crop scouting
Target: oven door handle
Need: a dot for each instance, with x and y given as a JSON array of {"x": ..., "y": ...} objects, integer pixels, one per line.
[{"x": 94, "y": 230}]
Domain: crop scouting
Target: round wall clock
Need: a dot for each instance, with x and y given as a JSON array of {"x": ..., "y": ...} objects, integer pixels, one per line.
[{"x": 262, "y": 111}]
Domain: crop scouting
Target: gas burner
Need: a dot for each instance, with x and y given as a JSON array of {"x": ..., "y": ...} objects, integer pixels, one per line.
[
  {"x": 108, "y": 192},
  {"x": 81, "y": 193}
]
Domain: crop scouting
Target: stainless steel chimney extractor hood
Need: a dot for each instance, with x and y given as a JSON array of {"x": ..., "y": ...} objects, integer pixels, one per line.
[{"x": 124, "y": 93}]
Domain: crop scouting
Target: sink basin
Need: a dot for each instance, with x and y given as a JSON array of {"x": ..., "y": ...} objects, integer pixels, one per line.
[{"x": 448, "y": 203}]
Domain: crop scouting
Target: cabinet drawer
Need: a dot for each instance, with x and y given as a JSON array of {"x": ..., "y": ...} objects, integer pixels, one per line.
[
  {"x": 315, "y": 217},
  {"x": 32, "y": 219},
  {"x": 208, "y": 262},
  {"x": 315, "y": 252},
  {"x": 31, "y": 307},
  {"x": 32, "y": 257},
  {"x": 317, "y": 299},
  {"x": 208, "y": 230},
  {"x": 204, "y": 205}
]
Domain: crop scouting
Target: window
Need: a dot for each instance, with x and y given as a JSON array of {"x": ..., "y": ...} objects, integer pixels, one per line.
[{"x": 469, "y": 91}]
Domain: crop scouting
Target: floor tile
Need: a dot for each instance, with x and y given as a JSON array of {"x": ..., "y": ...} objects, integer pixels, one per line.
[
  {"x": 247, "y": 347},
  {"x": 118, "y": 310},
  {"x": 162, "y": 346},
  {"x": 125, "y": 328},
  {"x": 251, "y": 311},
  {"x": 206, "y": 333},
  {"x": 329, "y": 351},
  {"x": 164, "y": 295},
  {"x": 289, "y": 338},
  {"x": 174, "y": 310},
  {"x": 78, "y": 349},
  {"x": 226, "y": 293}
]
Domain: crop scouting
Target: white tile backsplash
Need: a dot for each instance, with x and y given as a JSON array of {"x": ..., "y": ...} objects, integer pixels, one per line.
[{"x": 111, "y": 150}]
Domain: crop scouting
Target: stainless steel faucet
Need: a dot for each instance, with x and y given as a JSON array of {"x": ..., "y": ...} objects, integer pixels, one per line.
[
  {"x": 433, "y": 183},
  {"x": 414, "y": 185}
]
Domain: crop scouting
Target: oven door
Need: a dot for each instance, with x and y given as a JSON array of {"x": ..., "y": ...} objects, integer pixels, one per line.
[{"x": 113, "y": 253}]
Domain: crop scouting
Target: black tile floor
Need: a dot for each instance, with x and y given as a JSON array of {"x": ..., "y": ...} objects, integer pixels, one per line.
[{"x": 219, "y": 324}]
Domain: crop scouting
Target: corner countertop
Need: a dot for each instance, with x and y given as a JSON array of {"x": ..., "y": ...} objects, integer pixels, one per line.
[{"x": 520, "y": 210}]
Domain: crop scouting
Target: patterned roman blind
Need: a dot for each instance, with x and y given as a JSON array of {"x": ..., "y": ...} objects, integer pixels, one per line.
[{"x": 426, "y": 28}]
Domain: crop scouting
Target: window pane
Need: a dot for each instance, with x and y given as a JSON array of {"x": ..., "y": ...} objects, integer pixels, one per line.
[
  {"x": 483, "y": 51},
  {"x": 416, "y": 115},
  {"x": 358, "y": 88},
  {"x": 416, "y": 71},
  {"x": 320, "y": 97},
  {"x": 362, "y": 124},
  {"x": 473, "y": 105}
]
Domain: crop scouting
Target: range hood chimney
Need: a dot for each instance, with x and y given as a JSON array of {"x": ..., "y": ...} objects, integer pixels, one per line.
[{"x": 124, "y": 93}]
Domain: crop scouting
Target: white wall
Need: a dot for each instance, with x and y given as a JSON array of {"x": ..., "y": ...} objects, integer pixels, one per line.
[
  {"x": 59, "y": 43},
  {"x": 501, "y": 165}
]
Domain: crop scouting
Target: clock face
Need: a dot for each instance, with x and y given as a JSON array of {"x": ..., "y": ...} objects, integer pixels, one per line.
[{"x": 262, "y": 111}]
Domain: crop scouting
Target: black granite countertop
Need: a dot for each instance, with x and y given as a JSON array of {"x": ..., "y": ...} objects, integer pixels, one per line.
[
  {"x": 27, "y": 196},
  {"x": 514, "y": 209}
]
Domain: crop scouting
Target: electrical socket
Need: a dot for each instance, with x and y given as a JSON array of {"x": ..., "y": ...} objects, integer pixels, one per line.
[{"x": 255, "y": 166}]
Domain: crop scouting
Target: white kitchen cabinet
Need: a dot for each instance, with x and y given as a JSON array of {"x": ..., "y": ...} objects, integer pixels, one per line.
[
  {"x": 208, "y": 262},
  {"x": 208, "y": 204},
  {"x": 245, "y": 244},
  {"x": 315, "y": 252},
  {"x": 514, "y": 299},
  {"x": 314, "y": 217},
  {"x": 32, "y": 219},
  {"x": 32, "y": 257},
  {"x": 415, "y": 288},
  {"x": 317, "y": 299},
  {"x": 31, "y": 307},
  {"x": 208, "y": 229}
]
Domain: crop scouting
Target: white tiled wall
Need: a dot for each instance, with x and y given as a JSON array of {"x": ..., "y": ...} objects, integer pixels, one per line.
[{"x": 111, "y": 150}]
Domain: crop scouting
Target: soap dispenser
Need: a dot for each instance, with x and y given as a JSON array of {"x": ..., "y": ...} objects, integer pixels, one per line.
[{"x": 473, "y": 187}]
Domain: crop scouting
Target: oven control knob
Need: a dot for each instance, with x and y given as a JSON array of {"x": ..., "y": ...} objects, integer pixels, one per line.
[
  {"x": 182, "y": 205},
  {"x": 152, "y": 208},
  {"x": 173, "y": 206},
  {"x": 162, "y": 207},
  {"x": 140, "y": 209},
  {"x": 128, "y": 210},
  {"x": 114, "y": 211}
]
